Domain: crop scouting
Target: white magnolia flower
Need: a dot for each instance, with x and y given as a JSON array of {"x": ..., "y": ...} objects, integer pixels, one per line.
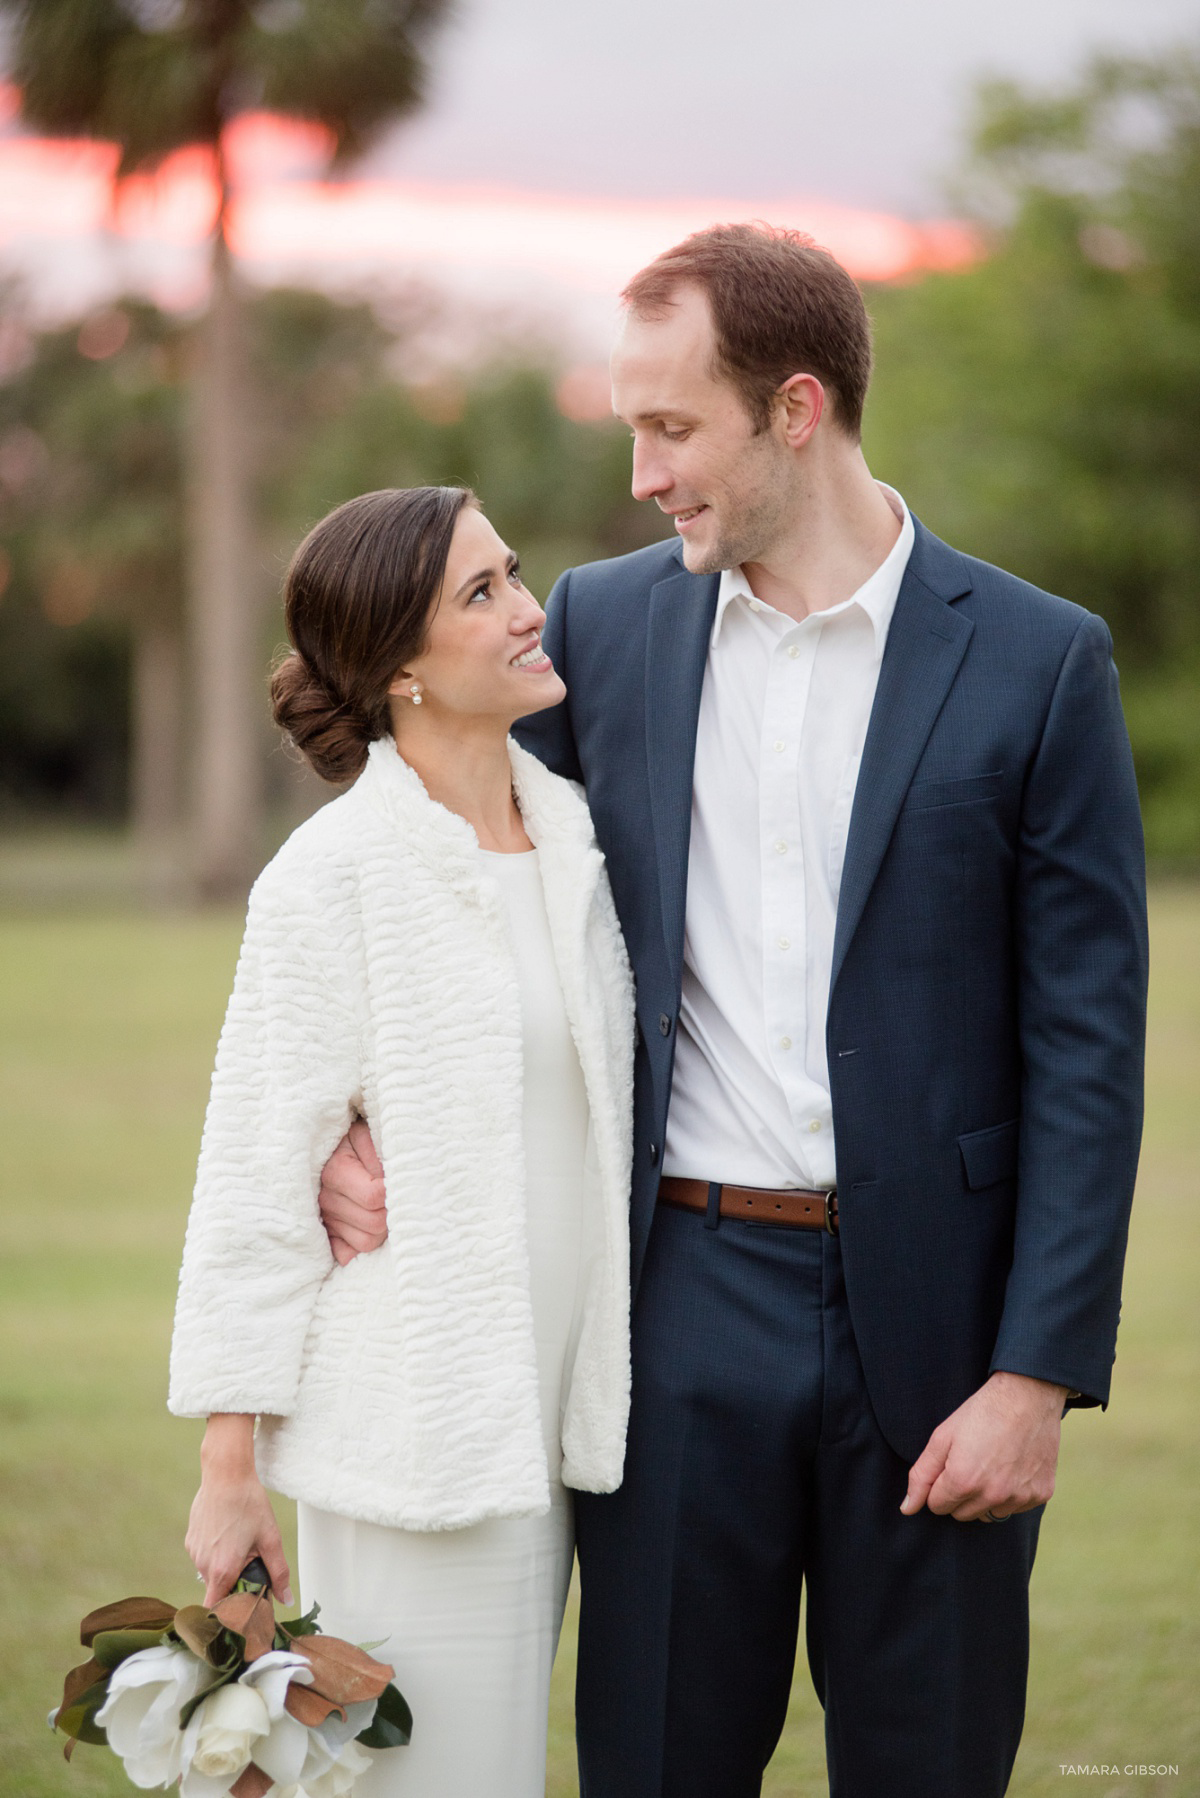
[
  {"x": 223, "y": 1735},
  {"x": 141, "y": 1713},
  {"x": 339, "y": 1779},
  {"x": 329, "y": 1738},
  {"x": 324, "y": 1747},
  {"x": 272, "y": 1674},
  {"x": 284, "y": 1749}
]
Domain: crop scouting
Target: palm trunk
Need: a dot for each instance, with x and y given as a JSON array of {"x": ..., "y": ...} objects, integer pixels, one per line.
[
  {"x": 157, "y": 735},
  {"x": 227, "y": 774}
]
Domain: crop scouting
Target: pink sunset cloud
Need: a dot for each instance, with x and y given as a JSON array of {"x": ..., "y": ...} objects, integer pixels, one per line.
[{"x": 289, "y": 218}]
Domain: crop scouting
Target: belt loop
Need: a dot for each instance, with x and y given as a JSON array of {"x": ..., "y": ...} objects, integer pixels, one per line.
[{"x": 712, "y": 1217}]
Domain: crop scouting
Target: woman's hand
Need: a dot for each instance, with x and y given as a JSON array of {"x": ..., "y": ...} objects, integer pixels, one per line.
[{"x": 231, "y": 1519}]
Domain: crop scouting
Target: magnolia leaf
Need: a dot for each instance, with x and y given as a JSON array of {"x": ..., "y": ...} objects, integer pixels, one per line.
[
  {"x": 112, "y": 1646},
  {"x": 127, "y": 1613},
  {"x": 303, "y": 1626},
  {"x": 78, "y": 1718},
  {"x": 228, "y": 1652},
  {"x": 341, "y": 1671},
  {"x": 79, "y": 1680},
  {"x": 199, "y": 1629},
  {"x": 391, "y": 1726},
  {"x": 252, "y": 1616},
  {"x": 253, "y": 1783},
  {"x": 309, "y": 1707}
]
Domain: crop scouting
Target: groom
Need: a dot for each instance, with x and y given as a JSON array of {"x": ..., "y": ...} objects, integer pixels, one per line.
[{"x": 872, "y": 829}]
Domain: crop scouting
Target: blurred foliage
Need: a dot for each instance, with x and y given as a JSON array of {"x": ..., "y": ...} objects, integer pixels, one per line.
[
  {"x": 1042, "y": 409},
  {"x": 341, "y": 422},
  {"x": 159, "y": 74},
  {"x": 91, "y": 525},
  {"x": 91, "y": 499},
  {"x": 157, "y": 77}
]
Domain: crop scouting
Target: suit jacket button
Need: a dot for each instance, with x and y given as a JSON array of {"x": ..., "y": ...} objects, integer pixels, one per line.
[
  {"x": 664, "y": 1024},
  {"x": 653, "y": 1154}
]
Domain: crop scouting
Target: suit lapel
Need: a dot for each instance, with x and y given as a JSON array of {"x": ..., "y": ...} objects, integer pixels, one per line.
[
  {"x": 680, "y": 622},
  {"x": 925, "y": 646}
]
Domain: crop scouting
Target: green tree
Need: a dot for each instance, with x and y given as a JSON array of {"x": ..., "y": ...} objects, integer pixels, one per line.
[
  {"x": 557, "y": 489},
  {"x": 92, "y": 515},
  {"x": 156, "y": 75},
  {"x": 92, "y": 522},
  {"x": 1042, "y": 409}
]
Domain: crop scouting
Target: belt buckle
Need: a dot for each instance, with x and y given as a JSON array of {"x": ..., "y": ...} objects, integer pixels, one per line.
[{"x": 830, "y": 1212}]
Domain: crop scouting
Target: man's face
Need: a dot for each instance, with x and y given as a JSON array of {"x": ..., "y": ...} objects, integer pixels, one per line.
[{"x": 696, "y": 453}]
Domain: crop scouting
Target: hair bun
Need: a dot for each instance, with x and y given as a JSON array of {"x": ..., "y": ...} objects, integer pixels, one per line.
[{"x": 330, "y": 735}]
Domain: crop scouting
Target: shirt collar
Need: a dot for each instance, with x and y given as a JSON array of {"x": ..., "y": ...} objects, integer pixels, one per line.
[{"x": 876, "y": 597}]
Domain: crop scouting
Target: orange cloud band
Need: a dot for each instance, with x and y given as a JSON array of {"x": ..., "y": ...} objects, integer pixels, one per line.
[{"x": 283, "y": 213}]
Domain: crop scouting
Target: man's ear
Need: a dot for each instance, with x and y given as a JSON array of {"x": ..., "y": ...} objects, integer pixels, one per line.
[{"x": 803, "y": 400}]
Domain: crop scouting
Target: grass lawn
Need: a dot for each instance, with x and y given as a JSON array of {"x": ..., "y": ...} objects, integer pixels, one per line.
[{"x": 106, "y": 1035}]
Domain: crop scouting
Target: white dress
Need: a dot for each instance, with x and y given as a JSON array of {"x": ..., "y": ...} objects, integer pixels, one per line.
[{"x": 470, "y": 1618}]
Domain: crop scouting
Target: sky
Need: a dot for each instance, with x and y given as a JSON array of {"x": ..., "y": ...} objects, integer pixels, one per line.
[
  {"x": 862, "y": 102},
  {"x": 565, "y": 142}
]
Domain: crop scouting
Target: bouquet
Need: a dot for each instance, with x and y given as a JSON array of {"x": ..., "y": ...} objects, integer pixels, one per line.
[{"x": 230, "y": 1700}]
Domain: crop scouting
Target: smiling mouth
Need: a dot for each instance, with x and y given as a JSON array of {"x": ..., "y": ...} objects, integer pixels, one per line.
[
  {"x": 532, "y": 658},
  {"x": 683, "y": 519}
]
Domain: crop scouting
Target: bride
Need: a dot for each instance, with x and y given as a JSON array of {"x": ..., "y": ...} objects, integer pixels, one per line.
[{"x": 436, "y": 952}]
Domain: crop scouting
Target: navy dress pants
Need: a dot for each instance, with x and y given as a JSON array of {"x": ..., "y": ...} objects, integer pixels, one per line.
[{"x": 754, "y": 1466}]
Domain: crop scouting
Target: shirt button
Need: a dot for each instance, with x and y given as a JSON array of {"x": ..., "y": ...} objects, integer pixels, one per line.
[
  {"x": 785, "y": 942},
  {"x": 793, "y": 650},
  {"x": 780, "y": 746},
  {"x": 814, "y": 1126},
  {"x": 781, "y": 848},
  {"x": 756, "y": 605},
  {"x": 785, "y": 1042}
]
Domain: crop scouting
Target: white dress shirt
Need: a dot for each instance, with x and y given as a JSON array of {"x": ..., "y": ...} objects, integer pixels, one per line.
[{"x": 783, "y": 719}]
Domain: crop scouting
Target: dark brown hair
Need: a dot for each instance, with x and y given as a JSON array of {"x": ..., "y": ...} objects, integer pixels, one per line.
[
  {"x": 357, "y": 600},
  {"x": 780, "y": 307}
]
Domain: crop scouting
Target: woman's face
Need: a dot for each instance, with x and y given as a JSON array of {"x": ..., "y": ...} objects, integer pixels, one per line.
[{"x": 483, "y": 655}]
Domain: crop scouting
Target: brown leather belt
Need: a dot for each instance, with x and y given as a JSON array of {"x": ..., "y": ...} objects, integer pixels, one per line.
[{"x": 790, "y": 1207}]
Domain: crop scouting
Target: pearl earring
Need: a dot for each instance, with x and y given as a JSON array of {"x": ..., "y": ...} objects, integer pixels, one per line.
[{"x": 416, "y": 693}]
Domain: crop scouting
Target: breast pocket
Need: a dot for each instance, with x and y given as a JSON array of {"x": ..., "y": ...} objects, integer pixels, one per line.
[{"x": 936, "y": 795}]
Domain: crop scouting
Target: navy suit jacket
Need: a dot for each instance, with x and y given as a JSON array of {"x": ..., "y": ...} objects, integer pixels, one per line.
[{"x": 987, "y": 1008}]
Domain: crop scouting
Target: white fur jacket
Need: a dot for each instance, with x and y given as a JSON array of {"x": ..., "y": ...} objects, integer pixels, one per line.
[{"x": 377, "y": 976}]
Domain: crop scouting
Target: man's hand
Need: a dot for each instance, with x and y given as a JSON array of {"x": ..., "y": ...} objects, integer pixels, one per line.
[
  {"x": 352, "y": 1199},
  {"x": 996, "y": 1454}
]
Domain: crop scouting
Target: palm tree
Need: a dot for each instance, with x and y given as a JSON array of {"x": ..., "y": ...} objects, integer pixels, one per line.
[{"x": 155, "y": 76}]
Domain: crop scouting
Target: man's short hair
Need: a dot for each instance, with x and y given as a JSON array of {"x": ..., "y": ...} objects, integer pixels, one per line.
[{"x": 780, "y": 305}]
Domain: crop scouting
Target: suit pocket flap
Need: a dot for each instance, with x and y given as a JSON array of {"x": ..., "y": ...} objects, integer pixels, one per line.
[
  {"x": 932, "y": 795},
  {"x": 990, "y": 1156}
]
